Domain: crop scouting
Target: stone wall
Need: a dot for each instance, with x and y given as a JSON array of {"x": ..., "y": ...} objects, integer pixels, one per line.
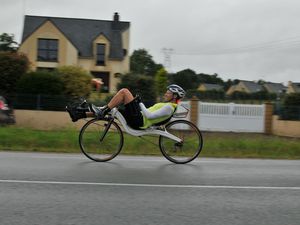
[
  {"x": 45, "y": 120},
  {"x": 286, "y": 127}
]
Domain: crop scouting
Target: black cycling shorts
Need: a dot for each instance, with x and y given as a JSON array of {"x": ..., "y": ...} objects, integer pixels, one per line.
[{"x": 132, "y": 114}]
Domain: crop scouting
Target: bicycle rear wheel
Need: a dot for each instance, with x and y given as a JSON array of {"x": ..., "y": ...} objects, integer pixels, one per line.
[
  {"x": 190, "y": 147},
  {"x": 101, "y": 140}
]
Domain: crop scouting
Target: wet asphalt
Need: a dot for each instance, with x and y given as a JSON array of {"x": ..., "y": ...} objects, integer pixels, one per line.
[{"x": 43, "y": 188}]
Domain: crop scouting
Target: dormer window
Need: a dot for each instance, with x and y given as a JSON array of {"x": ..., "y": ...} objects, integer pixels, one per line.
[
  {"x": 100, "y": 55},
  {"x": 47, "y": 50}
]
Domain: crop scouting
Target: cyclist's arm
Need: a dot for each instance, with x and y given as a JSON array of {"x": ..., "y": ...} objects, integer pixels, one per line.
[{"x": 166, "y": 110}]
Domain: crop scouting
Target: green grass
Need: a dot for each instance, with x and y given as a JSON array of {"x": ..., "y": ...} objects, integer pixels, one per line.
[
  {"x": 233, "y": 145},
  {"x": 250, "y": 146},
  {"x": 21, "y": 139}
]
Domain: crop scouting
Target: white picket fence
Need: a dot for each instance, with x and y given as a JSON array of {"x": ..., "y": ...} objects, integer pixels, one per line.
[{"x": 229, "y": 117}]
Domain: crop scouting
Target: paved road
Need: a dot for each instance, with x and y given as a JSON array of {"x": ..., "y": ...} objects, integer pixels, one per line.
[{"x": 38, "y": 188}]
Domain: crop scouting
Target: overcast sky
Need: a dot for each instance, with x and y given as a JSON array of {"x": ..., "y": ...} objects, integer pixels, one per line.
[{"x": 237, "y": 39}]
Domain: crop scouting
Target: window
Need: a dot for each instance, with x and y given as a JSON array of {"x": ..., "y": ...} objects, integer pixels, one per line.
[
  {"x": 47, "y": 69},
  {"x": 47, "y": 50},
  {"x": 100, "y": 54}
]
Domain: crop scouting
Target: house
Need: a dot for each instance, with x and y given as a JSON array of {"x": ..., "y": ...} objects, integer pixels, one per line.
[
  {"x": 99, "y": 46},
  {"x": 210, "y": 87},
  {"x": 231, "y": 89},
  {"x": 293, "y": 87},
  {"x": 276, "y": 88},
  {"x": 245, "y": 86}
]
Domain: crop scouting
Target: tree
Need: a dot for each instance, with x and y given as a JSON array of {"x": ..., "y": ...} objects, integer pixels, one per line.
[
  {"x": 261, "y": 82},
  {"x": 139, "y": 84},
  {"x": 187, "y": 79},
  {"x": 77, "y": 81},
  {"x": 210, "y": 79},
  {"x": 161, "y": 81},
  {"x": 7, "y": 43},
  {"x": 229, "y": 83},
  {"x": 141, "y": 62},
  {"x": 12, "y": 67},
  {"x": 41, "y": 82},
  {"x": 291, "y": 107}
]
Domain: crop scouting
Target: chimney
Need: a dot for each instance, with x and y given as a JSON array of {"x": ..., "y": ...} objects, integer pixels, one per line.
[
  {"x": 116, "y": 17},
  {"x": 115, "y": 23}
]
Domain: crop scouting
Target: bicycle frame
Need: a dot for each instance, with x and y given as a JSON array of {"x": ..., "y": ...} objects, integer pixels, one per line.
[{"x": 148, "y": 131}]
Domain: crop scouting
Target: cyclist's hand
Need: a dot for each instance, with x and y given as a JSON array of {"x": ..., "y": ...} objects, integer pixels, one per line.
[{"x": 138, "y": 98}]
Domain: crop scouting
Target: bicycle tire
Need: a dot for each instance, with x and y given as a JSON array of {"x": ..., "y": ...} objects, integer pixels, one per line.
[
  {"x": 189, "y": 149},
  {"x": 101, "y": 150}
]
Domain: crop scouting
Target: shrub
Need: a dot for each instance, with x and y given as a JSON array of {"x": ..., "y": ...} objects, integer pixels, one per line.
[
  {"x": 161, "y": 81},
  {"x": 139, "y": 84},
  {"x": 291, "y": 107},
  {"x": 40, "y": 82},
  {"x": 238, "y": 95},
  {"x": 77, "y": 81},
  {"x": 206, "y": 95},
  {"x": 12, "y": 67},
  {"x": 261, "y": 95}
]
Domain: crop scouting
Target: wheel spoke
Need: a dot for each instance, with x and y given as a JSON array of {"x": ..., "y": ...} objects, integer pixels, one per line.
[
  {"x": 95, "y": 148},
  {"x": 190, "y": 147}
]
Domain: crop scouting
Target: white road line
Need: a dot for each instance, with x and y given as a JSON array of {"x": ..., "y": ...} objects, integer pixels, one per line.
[{"x": 150, "y": 185}]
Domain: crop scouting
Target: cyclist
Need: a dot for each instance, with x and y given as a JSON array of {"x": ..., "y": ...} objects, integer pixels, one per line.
[{"x": 135, "y": 112}]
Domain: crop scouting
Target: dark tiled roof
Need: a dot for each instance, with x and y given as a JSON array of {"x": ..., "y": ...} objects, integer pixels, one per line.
[
  {"x": 210, "y": 87},
  {"x": 252, "y": 86},
  {"x": 275, "y": 87},
  {"x": 82, "y": 32}
]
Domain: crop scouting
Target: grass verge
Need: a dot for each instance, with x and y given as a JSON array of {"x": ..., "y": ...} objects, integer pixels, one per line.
[{"x": 234, "y": 145}]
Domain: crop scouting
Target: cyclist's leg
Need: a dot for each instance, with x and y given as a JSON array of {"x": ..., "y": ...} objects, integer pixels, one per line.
[{"x": 123, "y": 96}]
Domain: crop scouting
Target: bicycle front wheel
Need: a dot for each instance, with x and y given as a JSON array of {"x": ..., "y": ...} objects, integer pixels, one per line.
[
  {"x": 188, "y": 149},
  {"x": 101, "y": 140}
]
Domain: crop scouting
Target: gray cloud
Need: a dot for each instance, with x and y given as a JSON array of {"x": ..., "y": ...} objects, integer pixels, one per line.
[{"x": 256, "y": 33}]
